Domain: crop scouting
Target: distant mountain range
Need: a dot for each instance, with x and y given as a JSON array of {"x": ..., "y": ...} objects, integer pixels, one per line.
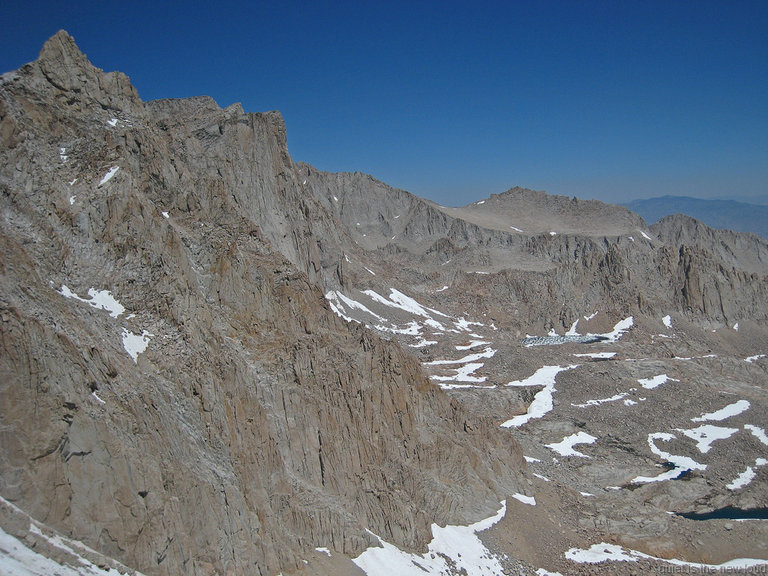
[{"x": 729, "y": 214}]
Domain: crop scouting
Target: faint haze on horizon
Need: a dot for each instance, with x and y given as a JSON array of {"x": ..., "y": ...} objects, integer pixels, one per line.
[{"x": 455, "y": 101}]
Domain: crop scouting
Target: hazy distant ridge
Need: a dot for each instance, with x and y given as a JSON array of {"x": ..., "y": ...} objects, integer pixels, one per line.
[{"x": 728, "y": 214}]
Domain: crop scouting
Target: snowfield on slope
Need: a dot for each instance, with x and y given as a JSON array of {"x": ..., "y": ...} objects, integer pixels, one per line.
[{"x": 453, "y": 550}]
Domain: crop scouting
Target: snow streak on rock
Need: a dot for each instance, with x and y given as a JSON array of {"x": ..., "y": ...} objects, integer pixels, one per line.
[
  {"x": 542, "y": 402},
  {"x": 604, "y": 552},
  {"x": 759, "y": 433},
  {"x": 747, "y": 476},
  {"x": 656, "y": 381},
  {"x": 724, "y": 413},
  {"x": 589, "y": 403},
  {"x": 135, "y": 344},
  {"x": 453, "y": 550},
  {"x": 680, "y": 464},
  {"x": 706, "y": 434},
  {"x": 20, "y": 557},
  {"x": 530, "y": 500},
  {"x": 108, "y": 176},
  {"x": 99, "y": 299},
  {"x": 565, "y": 446}
]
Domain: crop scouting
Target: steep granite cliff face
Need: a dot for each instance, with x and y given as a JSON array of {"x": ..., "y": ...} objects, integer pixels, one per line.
[{"x": 174, "y": 389}]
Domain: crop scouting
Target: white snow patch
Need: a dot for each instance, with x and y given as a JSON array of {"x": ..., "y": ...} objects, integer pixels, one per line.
[
  {"x": 322, "y": 549},
  {"x": 656, "y": 381},
  {"x": 481, "y": 202},
  {"x": 599, "y": 553},
  {"x": 586, "y": 494},
  {"x": 465, "y": 325},
  {"x": 565, "y": 446},
  {"x": 724, "y": 413},
  {"x": 736, "y": 326},
  {"x": 752, "y": 359},
  {"x": 100, "y": 299},
  {"x": 515, "y": 229},
  {"x": 463, "y": 374},
  {"x": 73, "y": 182},
  {"x": 422, "y": 342},
  {"x": 553, "y": 233},
  {"x": 531, "y": 459},
  {"x": 530, "y": 500},
  {"x": 112, "y": 122},
  {"x": 335, "y": 199},
  {"x": 442, "y": 289},
  {"x": 370, "y": 271},
  {"x": 588, "y": 318},
  {"x": 452, "y": 549},
  {"x": 338, "y": 302},
  {"x": 540, "y": 477},
  {"x": 413, "y": 328},
  {"x": 97, "y": 397},
  {"x": 135, "y": 344},
  {"x": 706, "y": 434},
  {"x": 645, "y": 235},
  {"x": 742, "y": 479},
  {"x": 542, "y": 401},
  {"x": 337, "y": 308},
  {"x": 572, "y": 331},
  {"x": 596, "y": 355},
  {"x": 108, "y": 176},
  {"x": 472, "y": 344},
  {"x": 63, "y": 155},
  {"x": 16, "y": 559},
  {"x": 619, "y": 329},
  {"x": 681, "y": 463},
  {"x": 165, "y": 215},
  {"x": 759, "y": 433},
  {"x": 399, "y": 300},
  {"x": 72, "y": 200},
  {"x": 604, "y": 552},
  {"x": 667, "y": 320},
  {"x": 488, "y": 352},
  {"x": 602, "y": 400}
]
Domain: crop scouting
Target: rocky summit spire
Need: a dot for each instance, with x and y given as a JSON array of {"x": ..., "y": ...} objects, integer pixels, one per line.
[
  {"x": 62, "y": 62},
  {"x": 66, "y": 68}
]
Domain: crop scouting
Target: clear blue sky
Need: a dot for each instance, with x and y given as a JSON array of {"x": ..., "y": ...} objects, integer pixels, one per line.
[{"x": 612, "y": 100}]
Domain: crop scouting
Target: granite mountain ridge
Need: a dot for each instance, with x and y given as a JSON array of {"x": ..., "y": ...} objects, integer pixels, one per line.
[{"x": 223, "y": 418}]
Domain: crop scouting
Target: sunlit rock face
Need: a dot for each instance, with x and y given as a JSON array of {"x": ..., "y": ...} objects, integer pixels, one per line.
[
  {"x": 176, "y": 391},
  {"x": 218, "y": 361}
]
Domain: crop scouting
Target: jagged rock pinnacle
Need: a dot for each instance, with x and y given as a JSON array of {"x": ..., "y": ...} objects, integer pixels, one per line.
[{"x": 67, "y": 68}]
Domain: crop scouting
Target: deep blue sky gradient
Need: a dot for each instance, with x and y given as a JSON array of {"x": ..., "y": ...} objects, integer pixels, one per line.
[{"x": 456, "y": 100}]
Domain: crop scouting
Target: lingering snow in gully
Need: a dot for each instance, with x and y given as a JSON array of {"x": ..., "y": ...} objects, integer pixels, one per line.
[{"x": 108, "y": 176}]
